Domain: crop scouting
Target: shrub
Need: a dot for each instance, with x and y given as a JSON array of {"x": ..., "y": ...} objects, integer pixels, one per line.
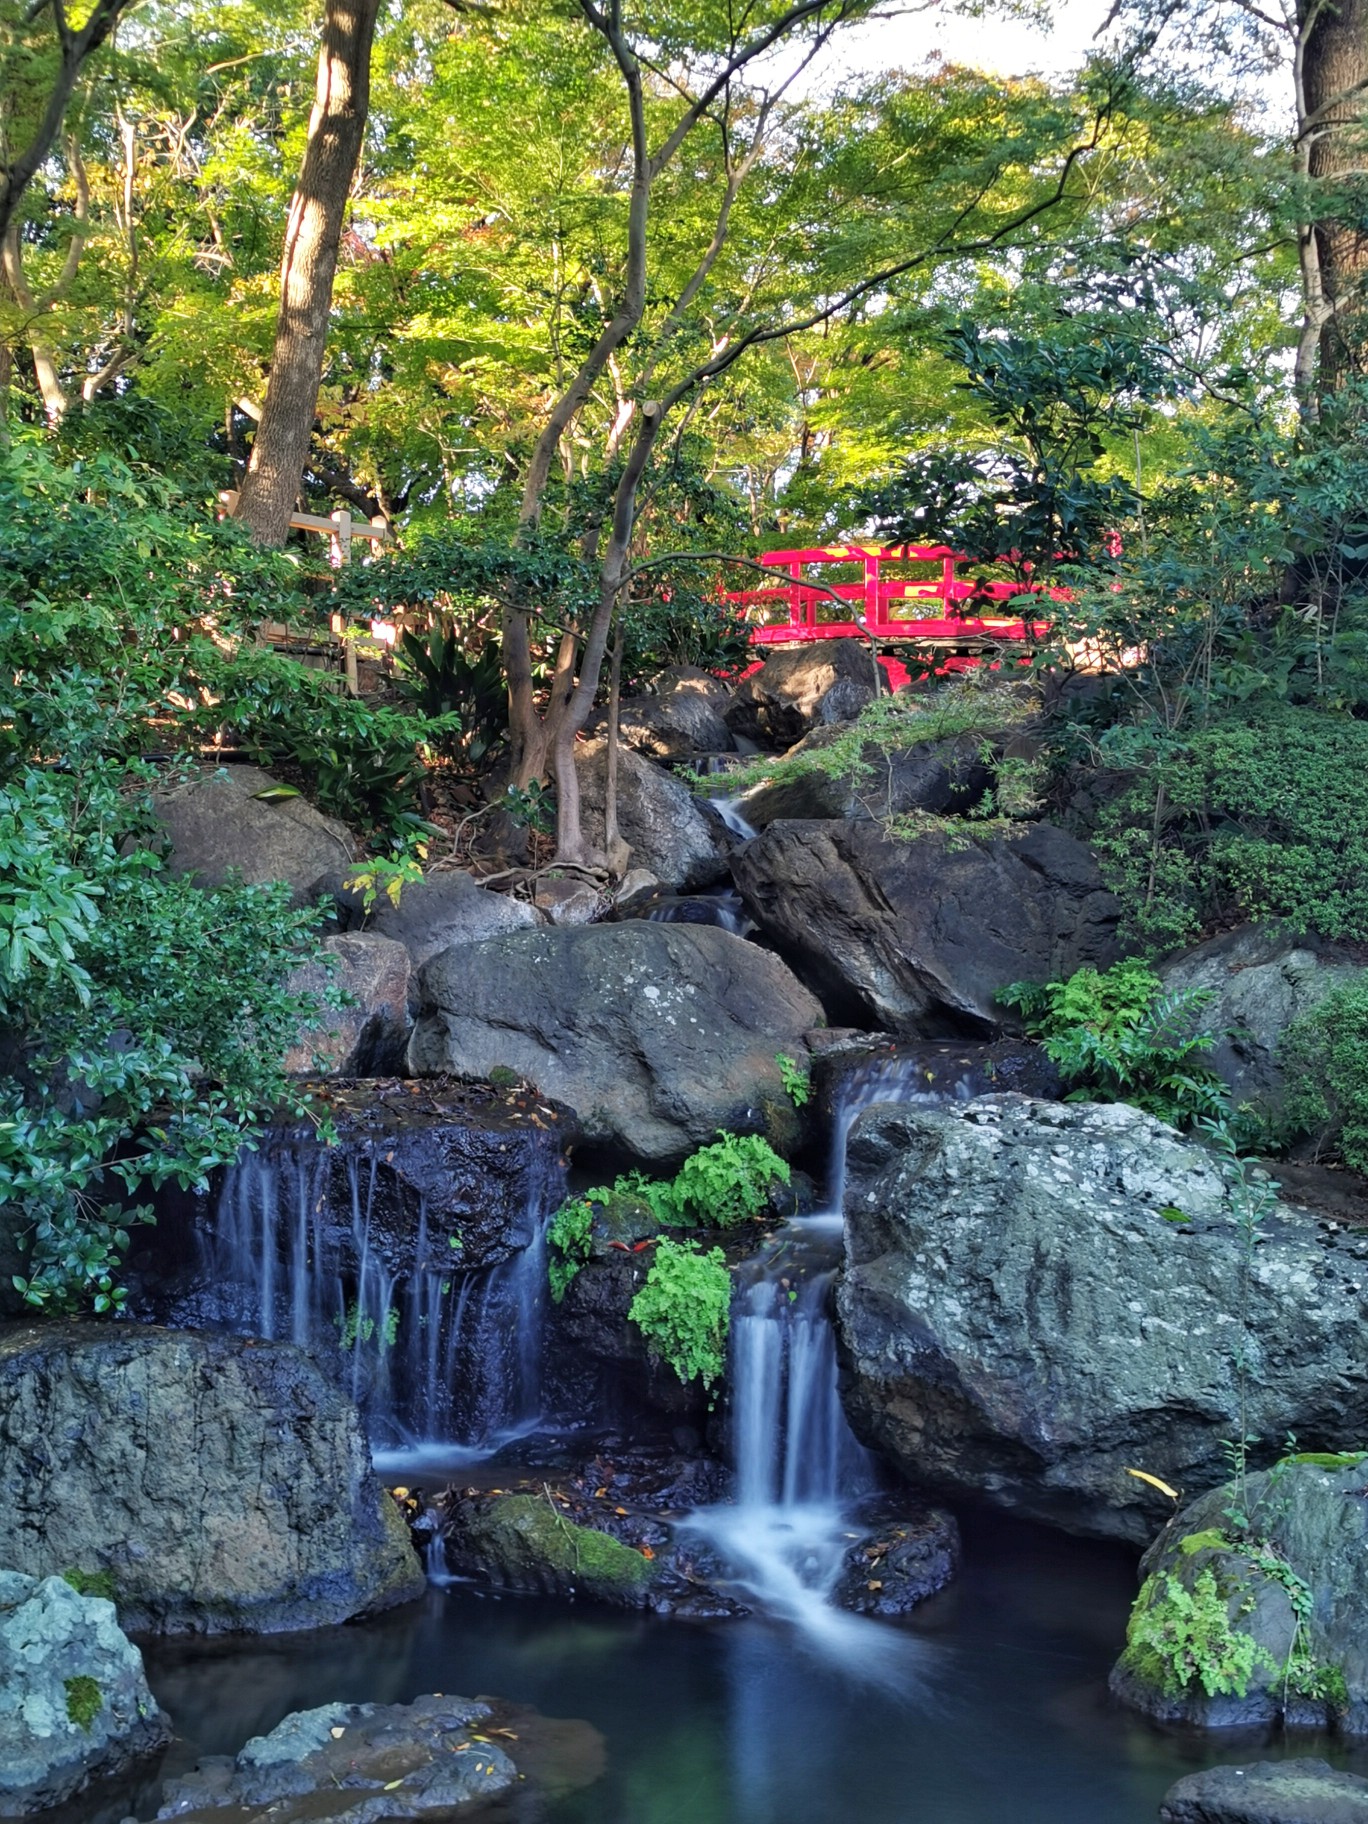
[
  {"x": 1178, "y": 1637},
  {"x": 726, "y": 1183},
  {"x": 684, "y": 1310},
  {"x": 1117, "y": 1036},
  {"x": 1325, "y": 1057}
]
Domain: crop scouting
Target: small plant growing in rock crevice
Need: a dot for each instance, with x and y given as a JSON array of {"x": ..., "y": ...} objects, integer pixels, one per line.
[
  {"x": 1178, "y": 1637},
  {"x": 84, "y": 1701},
  {"x": 796, "y": 1078},
  {"x": 684, "y": 1310}
]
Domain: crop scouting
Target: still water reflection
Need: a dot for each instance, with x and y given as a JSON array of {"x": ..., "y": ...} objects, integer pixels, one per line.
[{"x": 1002, "y": 1720}]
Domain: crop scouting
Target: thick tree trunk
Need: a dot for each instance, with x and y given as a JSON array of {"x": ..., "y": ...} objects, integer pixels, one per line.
[
  {"x": 1335, "y": 76},
  {"x": 336, "y": 129}
]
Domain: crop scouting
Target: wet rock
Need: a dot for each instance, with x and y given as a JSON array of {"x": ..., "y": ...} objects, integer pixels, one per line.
[
  {"x": 433, "y": 913},
  {"x": 362, "y": 1763},
  {"x": 945, "y": 778},
  {"x": 905, "y": 1556},
  {"x": 219, "y": 827},
  {"x": 1308, "y": 1529},
  {"x": 568, "y": 902},
  {"x": 222, "y": 1486},
  {"x": 74, "y": 1701},
  {"x": 1269, "y": 1792},
  {"x": 918, "y": 937},
  {"x": 867, "y": 1068},
  {"x": 367, "y": 1037},
  {"x": 660, "y": 820},
  {"x": 656, "y": 1035},
  {"x": 1260, "y": 980},
  {"x": 781, "y": 702},
  {"x": 1038, "y": 1296}
]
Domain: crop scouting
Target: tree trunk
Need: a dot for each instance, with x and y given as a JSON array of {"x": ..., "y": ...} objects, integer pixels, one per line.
[
  {"x": 1335, "y": 74},
  {"x": 336, "y": 129}
]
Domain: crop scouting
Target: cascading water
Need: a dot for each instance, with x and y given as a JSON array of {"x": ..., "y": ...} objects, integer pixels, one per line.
[
  {"x": 724, "y": 908},
  {"x": 732, "y": 818},
  {"x": 799, "y": 1468},
  {"x": 437, "y": 1359}
]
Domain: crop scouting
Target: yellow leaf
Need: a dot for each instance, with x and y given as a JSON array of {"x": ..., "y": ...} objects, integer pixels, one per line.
[
  {"x": 334, "y": 1733},
  {"x": 1143, "y": 1475},
  {"x": 390, "y": 1785}
]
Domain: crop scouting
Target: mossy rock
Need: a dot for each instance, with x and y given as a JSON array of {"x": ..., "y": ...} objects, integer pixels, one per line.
[{"x": 522, "y": 1542}]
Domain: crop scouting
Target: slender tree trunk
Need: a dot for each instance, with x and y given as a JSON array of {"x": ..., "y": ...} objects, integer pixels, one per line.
[
  {"x": 336, "y": 129},
  {"x": 1335, "y": 86}
]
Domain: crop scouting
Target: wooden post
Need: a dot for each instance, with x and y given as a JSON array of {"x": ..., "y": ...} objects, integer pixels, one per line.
[{"x": 342, "y": 546}]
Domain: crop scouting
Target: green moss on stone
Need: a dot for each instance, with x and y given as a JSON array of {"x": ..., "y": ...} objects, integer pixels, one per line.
[
  {"x": 1211, "y": 1540},
  {"x": 91, "y": 1583},
  {"x": 1328, "y": 1459},
  {"x": 84, "y": 1700},
  {"x": 525, "y": 1536}
]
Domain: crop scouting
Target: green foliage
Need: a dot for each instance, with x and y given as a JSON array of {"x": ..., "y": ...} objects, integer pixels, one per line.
[
  {"x": 358, "y": 1326},
  {"x": 1117, "y": 1036},
  {"x": 92, "y": 1583},
  {"x": 1325, "y": 1057},
  {"x": 445, "y": 679},
  {"x": 796, "y": 1078},
  {"x": 569, "y": 1241},
  {"x": 84, "y": 1700},
  {"x": 1179, "y": 1637},
  {"x": 684, "y": 1310},
  {"x": 383, "y": 876},
  {"x": 726, "y": 1183}
]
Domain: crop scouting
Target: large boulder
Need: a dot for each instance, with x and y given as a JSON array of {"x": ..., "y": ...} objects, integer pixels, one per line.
[
  {"x": 74, "y": 1701},
  {"x": 1287, "y": 1577},
  {"x": 1259, "y": 980},
  {"x": 219, "y": 1485},
  {"x": 367, "y": 1036},
  {"x": 1294, "y": 1791},
  {"x": 782, "y": 701},
  {"x": 656, "y": 1035},
  {"x": 683, "y": 719},
  {"x": 433, "y": 913},
  {"x": 1039, "y": 1297},
  {"x": 234, "y": 823},
  {"x": 944, "y": 778},
  {"x": 353, "y": 1764},
  {"x": 918, "y": 937},
  {"x": 659, "y": 818}
]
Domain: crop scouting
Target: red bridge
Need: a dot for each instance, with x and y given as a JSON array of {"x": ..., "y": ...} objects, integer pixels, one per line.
[{"x": 911, "y": 595}]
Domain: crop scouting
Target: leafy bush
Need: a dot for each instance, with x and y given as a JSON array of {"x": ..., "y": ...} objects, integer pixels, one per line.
[
  {"x": 443, "y": 678},
  {"x": 1254, "y": 818},
  {"x": 1178, "y": 1637},
  {"x": 1117, "y": 1036},
  {"x": 1325, "y": 1057},
  {"x": 726, "y": 1183},
  {"x": 684, "y": 1310},
  {"x": 569, "y": 1241}
]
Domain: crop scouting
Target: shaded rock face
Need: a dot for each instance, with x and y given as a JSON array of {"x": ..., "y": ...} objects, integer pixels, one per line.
[
  {"x": 1269, "y": 1792},
  {"x": 660, "y": 820},
  {"x": 905, "y": 1556},
  {"x": 782, "y": 702},
  {"x": 74, "y": 1701},
  {"x": 1038, "y": 1296},
  {"x": 945, "y": 778},
  {"x": 223, "y": 1485},
  {"x": 864, "y": 1069},
  {"x": 366, "y": 1038},
  {"x": 1261, "y": 981},
  {"x": 683, "y": 720},
  {"x": 655, "y": 1035},
  {"x": 358, "y": 1762},
  {"x": 917, "y": 937},
  {"x": 218, "y": 826},
  {"x": 1312, "y": 1514},
  {"x": 433, "y": 913}
]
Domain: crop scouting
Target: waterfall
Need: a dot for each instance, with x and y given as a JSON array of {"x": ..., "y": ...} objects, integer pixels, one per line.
[
  {"x": 799, "y": 1468},
  {"x": 735, "y": 822},
  {"x": 436, "y": 1359},
  {"x": 724, "y": 908}
]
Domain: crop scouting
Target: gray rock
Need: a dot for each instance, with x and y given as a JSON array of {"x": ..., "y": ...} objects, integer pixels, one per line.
[
  {"x": 569, "y": 901},
  {"x": 918, "y": 937},
  {"x": 367, "y": 1037},
  {"x": 684, "y": 720},
  {"x": 1310, "y": 1513},
  {"x": 656, "y": 1035},
  {"x": 218, "y": 826},
  {"x": 433, "y": 913},
  {"x": 74, "y": 1701},
  {"x": 945, "y": 778},
  {"x": 905, "y": 1556},
  {"x": 1261, "y": 981},
  {"x": 223, "y": 1485},
  {"x": 659, "y": 818},
  {"x": 1269, "y": 1792},
  {"x": 1039, "y": 1296},
  {"x": 781, "y": 702},
  {"x": 843, "y": 702},
  {"x": 358, "y": 1762}
]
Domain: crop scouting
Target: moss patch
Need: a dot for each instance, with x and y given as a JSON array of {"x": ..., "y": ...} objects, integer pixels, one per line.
[
  {"x": 91, "y": 1583},
  {"x": 526, "y": 1542},
  {"x": 84, "y": 1701}
]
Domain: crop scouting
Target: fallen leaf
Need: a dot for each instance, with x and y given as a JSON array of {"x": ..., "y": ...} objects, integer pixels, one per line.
[
  {"x": 646, "y": 1552},
  {"x": 621, "y": 1510},
  {"x": 335, "y": 1733},
  {"x": 876, "y": 1585},
  {"x": 1143, "y": 1475}
]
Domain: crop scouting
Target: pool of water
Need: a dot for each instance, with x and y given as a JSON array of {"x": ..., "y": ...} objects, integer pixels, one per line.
[{"x": 989, "y": 1706}]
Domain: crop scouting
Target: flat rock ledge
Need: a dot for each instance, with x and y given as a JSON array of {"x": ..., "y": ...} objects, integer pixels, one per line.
[{"x": 1269, "y": 1792}]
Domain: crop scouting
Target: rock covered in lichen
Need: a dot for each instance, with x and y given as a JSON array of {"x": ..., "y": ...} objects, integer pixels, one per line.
[
  {"x": 1297, "y": 1791},
  {"x": 1254, "y": 1605},
  {"x": 1040, "y": 1296},
  {"x": 74, "y": 1700}
]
